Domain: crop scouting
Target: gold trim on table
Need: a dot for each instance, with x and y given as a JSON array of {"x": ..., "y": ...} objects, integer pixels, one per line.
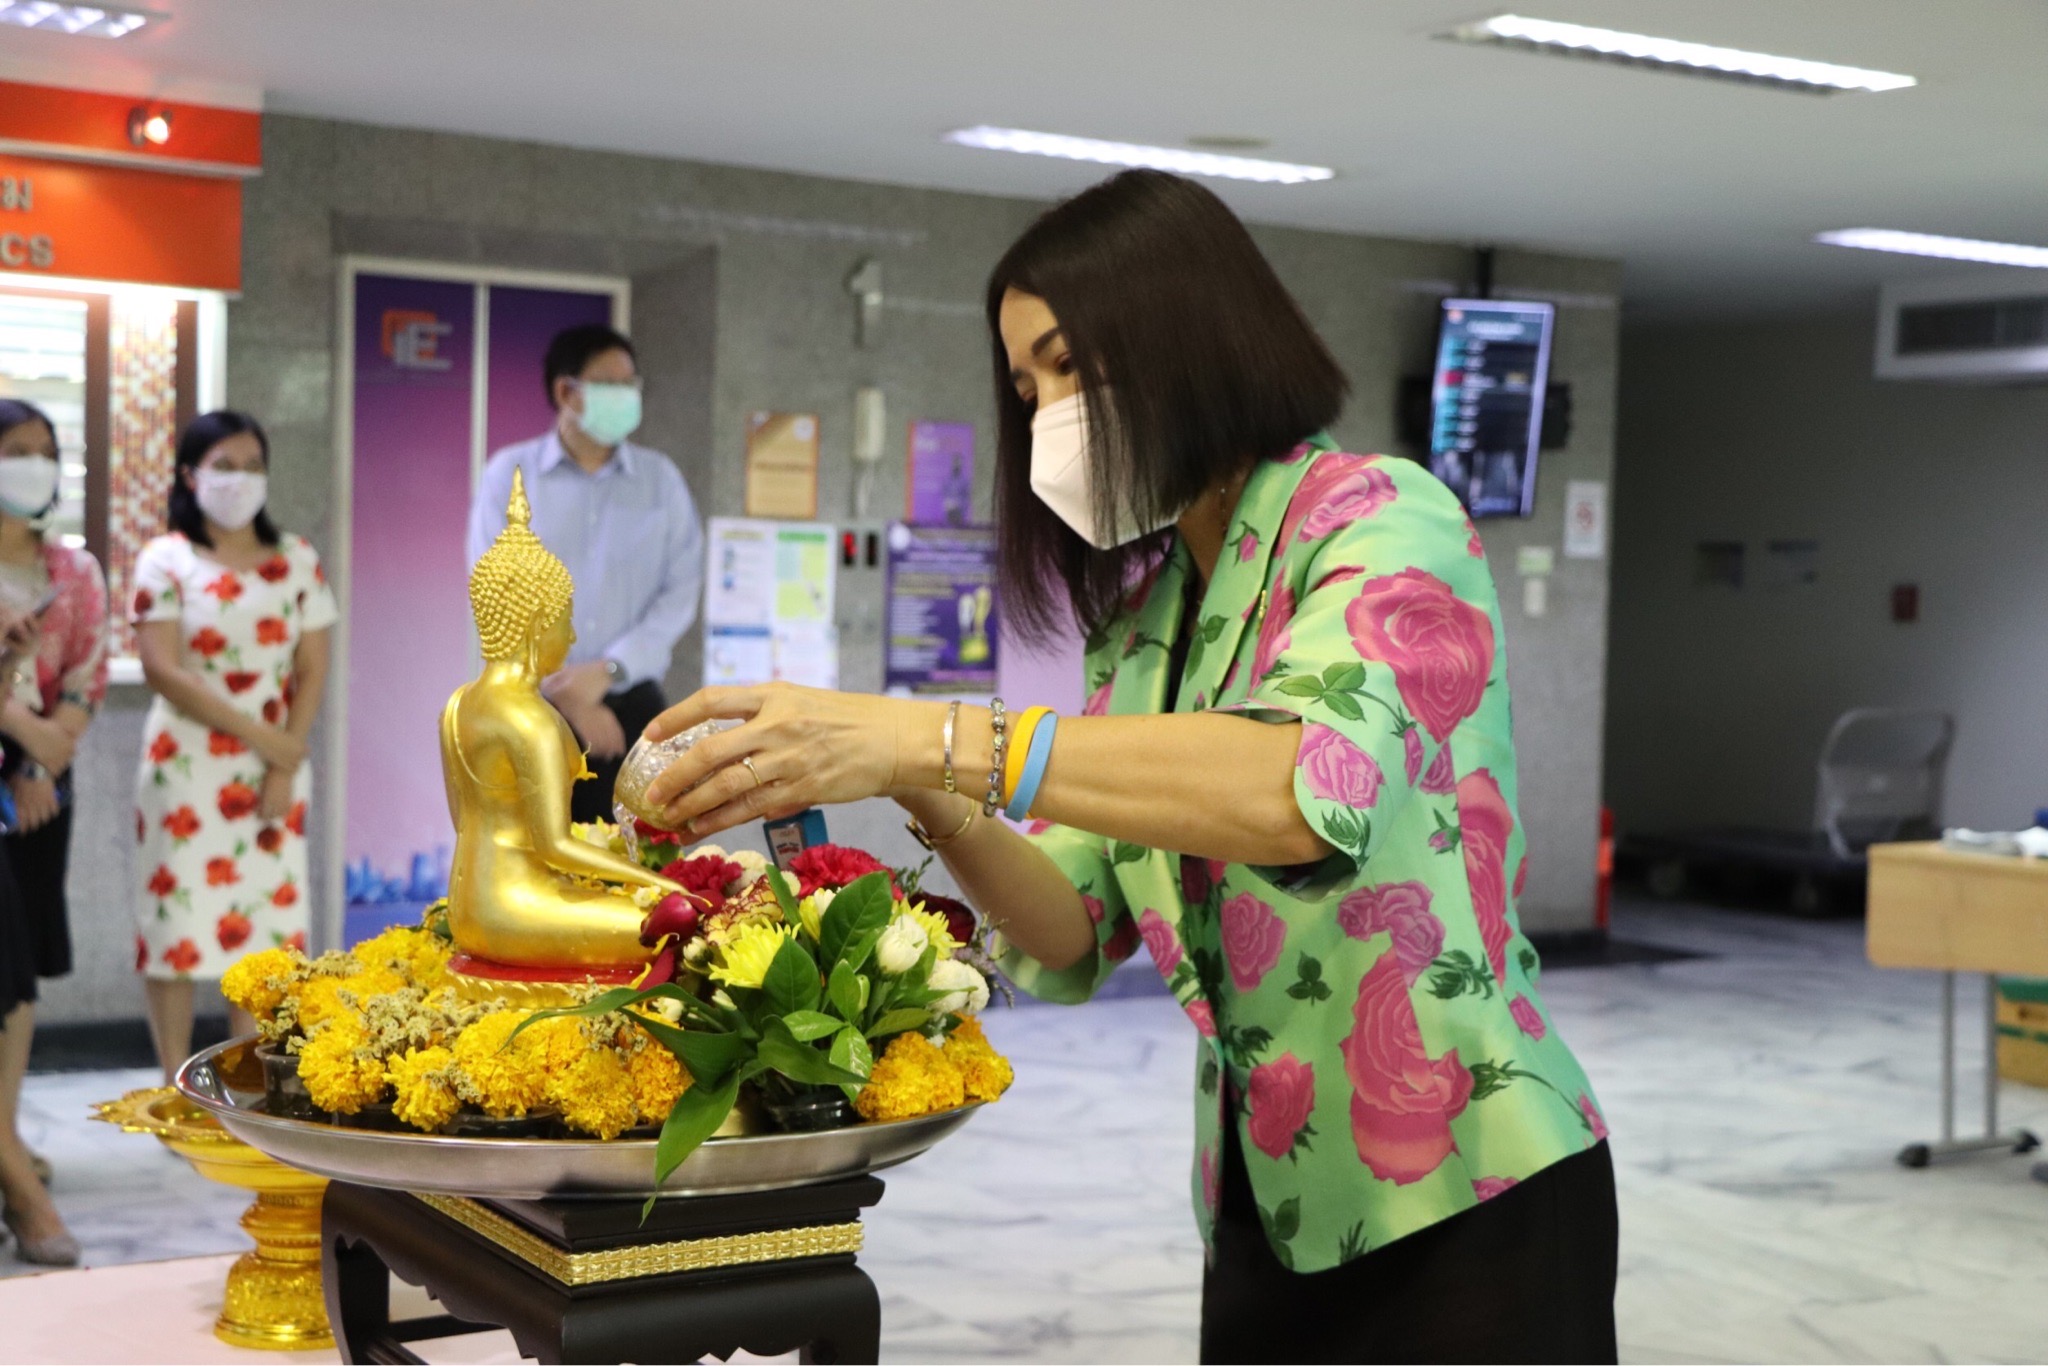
[{"x": 646, "y": 1259}]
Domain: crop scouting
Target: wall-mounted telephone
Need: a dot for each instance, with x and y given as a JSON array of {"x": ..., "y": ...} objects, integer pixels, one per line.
[{"x": 870, "y": 440}]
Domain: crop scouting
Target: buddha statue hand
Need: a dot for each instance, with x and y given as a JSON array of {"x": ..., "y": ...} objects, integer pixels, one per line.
[{"x": 675, "y": 914}]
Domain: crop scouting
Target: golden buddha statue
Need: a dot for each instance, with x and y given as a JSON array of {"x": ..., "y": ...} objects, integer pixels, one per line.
[{"x": 519, "y": 894}]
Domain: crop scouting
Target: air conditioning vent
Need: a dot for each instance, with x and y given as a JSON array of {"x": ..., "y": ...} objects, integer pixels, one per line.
[{"x": 1984, "y": 330}]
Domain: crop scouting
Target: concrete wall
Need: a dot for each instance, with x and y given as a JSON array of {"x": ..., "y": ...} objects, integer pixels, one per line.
[
  {"x": 766, "y": 257},
  {"x": 1777, "y": 430}
]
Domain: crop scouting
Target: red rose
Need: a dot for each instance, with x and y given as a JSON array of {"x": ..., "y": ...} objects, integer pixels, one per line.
[
  {"x": 1336, "y": 770},
  {"x": 241, "y": 680},
  {"x": 655, "y": 834},
  {"x": 141, "y": 827},
  {"x": 182, "y": 956},
  {"x": 286, "y": 895},
  {"x": 832, "y": 865},
  {"x": 220, "y": 872},
  {"x": 141, "y": 953},
  {"x": 295, "y": 820},
  {"x": 1439, "y": 646},
  {"x": 290, "y": 686},
  {"x": 207, "y": 642},
  {"x": 227, "y": 588},
  {"x": 1338, "y": 489},
  {"x": 1484, "y": 825},
  {"x": 272, "y": 631},
  {"x": 163, "y": 748},
  {"x": 295, "y": 940},
  {"x": 182, "y": 824},
  {"x": 1253, "y": 937},
  {"x": 1161, "y": 940},
  {"x": 1442, "y": 777},
  {"x": 144, "y": 600},
  {"x": 275, "y": 569},
  {"x": 1274, "y": 637},
  {"x": 273, "y": 712},
  {"x": 232, "y": 930},
  {"x": 237, "y": 800},
  {"x": 1402, "y": 1100},
  {"x": 1277, "y": 1104},
  {"x": 319, "y": 573},
  {"x": 1401, "y": 910},
  {"x": 1122, "y": 943},
  {"x": 705, "y": 876},
  {"x": 162, "y": 882},
  {"x": 270, "y": 839},
  {"x": 222, "y": 745}
]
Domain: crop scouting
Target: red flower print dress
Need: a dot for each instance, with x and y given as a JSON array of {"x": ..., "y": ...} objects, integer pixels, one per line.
[{"x": 212, "y": 880}]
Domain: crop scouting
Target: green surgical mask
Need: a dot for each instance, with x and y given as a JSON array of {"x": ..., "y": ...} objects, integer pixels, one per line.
[{"x": 611, "y": 412}]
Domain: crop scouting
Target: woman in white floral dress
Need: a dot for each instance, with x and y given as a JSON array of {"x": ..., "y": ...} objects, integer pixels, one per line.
[{"x": 232, "y": 622}]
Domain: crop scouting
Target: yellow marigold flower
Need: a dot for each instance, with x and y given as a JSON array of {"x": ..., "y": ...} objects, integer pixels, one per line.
[
  {"x": 936, "y": 928},
  {"x": 257, "y": 983},
  {"x": 658, "y": 1079},
  {"x": 985, "y": 1073},
  {"x": 417, "y": 957},
  {"x": 748, "y": 954},
  {"x": 595, "y": 1094},
  {"x": 506, "y": 1082},
  {"x": 913, "y": 1077},
  {"x": 426, "y": 1094},
  {"x": 340, "y": 1072}
]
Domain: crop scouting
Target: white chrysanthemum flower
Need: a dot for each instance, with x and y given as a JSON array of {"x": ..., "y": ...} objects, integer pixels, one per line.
[
  {"x": 901, "y": 945},
  {"x": 753, "y": 867},
  {"x": 645, "y": 897},
  {"x": 966, "y": 989}
]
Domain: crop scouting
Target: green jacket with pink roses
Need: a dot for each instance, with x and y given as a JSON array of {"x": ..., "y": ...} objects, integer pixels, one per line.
[{"x": 1370, "y": 1022}]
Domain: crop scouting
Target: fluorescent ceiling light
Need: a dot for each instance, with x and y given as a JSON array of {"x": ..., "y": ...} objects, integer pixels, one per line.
[
  {"x": 92, "y": 21},
  {"x": 1697, "y": 59},
  {"x": 1178, "y": 159},
  {"x": 1947, "y": 248}
]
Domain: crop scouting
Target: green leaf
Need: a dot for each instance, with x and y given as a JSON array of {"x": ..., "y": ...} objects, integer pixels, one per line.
[
  {"x": 1212, "y": 1075},
  {"x": 1212, "y": 629},
  {"x": 850, "y": 1051},
  {"x": 1344, "y": 677},
  {"x": 1345, "y": 705},
  {"x": 694, "y": 1117},
  {"x": 780, "y": 1052},
  {"x": 1303, "y": 685},
  {"x": 1285, "y": 1220},
  {"x": 845, "y": 991},
  {"x": 711, "y": 1058},
  {"x": 1529, "y": 961},
  {"x": 1489, "y": 1077},
  {"x": 1128, "y": 853},
  {"x": 862, "y": 907},
  {"x": 1311, "y": 986},
  {"x": 791, "y": 984},
  {"x": 1353, "y": 1245},
  {"x": 1195, "y": 647},
  {"x": 897, "y": 1021},
  {"x": 785, "y": 895},
  {"x": 810, "y": 1025}
]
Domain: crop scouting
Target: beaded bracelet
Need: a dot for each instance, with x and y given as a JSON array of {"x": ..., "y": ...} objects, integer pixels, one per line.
[
  {"x": 1036, "y": 759},
  {"x": 994, "y": 801}
]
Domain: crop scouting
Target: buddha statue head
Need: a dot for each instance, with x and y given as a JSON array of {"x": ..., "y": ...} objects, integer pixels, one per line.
[{"x": 521, "y": 594}]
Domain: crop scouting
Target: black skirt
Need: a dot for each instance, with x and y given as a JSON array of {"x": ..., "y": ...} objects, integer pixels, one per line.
[
  {"x": 40, "y": 859},
  {"x": 17, "y": 944},
  {"x": 1527, "y": 1276}
]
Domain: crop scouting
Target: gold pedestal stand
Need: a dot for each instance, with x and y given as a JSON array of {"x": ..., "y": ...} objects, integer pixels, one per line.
[{"x": 273, "y": 1299}]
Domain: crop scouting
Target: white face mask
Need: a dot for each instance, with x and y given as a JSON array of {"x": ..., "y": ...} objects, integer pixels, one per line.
[
  {"x": 28, "y": 485},
  {"x": 230, "y": 498},
  {"x": 1062, "y": 475}
]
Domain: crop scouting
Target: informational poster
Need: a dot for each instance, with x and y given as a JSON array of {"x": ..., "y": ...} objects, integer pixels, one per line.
[
  {"x": 942, "y": 625},
  {"x": 939, "y": 483},
  {"x": 782, "y": 465},
  {"x": 769, "y": 604},
  {"x": 1585, "y": 519}
]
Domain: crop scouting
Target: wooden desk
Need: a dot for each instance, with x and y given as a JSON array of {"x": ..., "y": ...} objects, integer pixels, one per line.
[{"x": 1954, "y": 911}]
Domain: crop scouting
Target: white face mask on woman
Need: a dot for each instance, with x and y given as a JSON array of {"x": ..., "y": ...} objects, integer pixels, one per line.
[
  {"x": 230, "y": 498},
  {"x": 28, "y": 485},
  {"x": 1062, "y": 475}
]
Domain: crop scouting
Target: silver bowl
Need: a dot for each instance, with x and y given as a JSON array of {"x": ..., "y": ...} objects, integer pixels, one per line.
[{"x": 541, "y": 1168}]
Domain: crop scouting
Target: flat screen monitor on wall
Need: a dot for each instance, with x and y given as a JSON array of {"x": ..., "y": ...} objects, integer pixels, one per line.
[{"x": 1486, "y": 402}]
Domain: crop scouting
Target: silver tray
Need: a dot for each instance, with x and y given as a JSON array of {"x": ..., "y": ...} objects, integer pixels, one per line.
[{"x": 537, "y": 1168}]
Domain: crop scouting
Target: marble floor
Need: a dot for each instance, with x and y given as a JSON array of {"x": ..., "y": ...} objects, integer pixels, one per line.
[{"x": 1756, "y": 1096}]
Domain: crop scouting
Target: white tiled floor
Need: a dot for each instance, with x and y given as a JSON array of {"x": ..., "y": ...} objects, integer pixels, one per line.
[{"x": 1756, "y": 1099}]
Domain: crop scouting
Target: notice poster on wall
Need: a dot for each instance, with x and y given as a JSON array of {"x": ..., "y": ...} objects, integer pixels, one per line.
[
  {"x": 938, "y": 489},
  {"x": 782, "y": 465},
  {"x": 942, "y": 625},
  {"x": 769, "y": 604}
]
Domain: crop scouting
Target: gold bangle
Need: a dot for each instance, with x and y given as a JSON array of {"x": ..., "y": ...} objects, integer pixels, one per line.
[
  {"x": 952, "y": 722},
  {"x": 936, "y": 842}
]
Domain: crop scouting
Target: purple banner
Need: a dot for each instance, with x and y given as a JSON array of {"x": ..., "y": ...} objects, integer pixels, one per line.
[
  {"x": 409, "y": 622},
  {"x": 939, "y": 490},
  {"x": 942, "y": 626}
]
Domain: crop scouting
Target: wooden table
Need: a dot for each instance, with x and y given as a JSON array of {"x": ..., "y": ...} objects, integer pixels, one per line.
[{"x": 1957, "y": 911}]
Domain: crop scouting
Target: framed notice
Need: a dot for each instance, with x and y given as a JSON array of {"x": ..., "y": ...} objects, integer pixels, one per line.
[
  {"x": 940, "y": 488},
  {"x": 782, "y": 465},
  {"x": 769, "y": 603},
  {"x": 942, "y": 631}
]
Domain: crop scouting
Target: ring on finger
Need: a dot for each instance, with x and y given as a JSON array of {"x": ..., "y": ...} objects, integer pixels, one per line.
[{"x": 748, "y": 760}]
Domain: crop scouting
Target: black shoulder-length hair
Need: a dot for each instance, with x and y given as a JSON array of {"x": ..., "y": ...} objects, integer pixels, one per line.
[
  {"x": 1188, "y": 345},
  {"x": 201, "y": 435}
]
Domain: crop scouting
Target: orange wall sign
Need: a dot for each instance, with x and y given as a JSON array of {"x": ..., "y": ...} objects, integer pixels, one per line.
[
  {"x": 35, "y": 119},
  {"x": 116, "y": 223}
]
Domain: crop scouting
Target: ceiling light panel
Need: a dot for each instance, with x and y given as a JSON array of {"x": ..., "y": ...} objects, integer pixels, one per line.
[
  {"x": 89, "y": 21},
  {"x": 1672, "y": 54},
  {"x": 1946, "y": 248},
  {"x": 1177, "y": 159}
]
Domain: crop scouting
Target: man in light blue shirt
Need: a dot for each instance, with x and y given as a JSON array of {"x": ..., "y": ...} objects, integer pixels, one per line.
[{"x": 622, "y": 519}]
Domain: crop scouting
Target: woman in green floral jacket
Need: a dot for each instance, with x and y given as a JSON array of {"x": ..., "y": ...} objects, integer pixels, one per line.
[{"x": 1294, "y": 784}]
